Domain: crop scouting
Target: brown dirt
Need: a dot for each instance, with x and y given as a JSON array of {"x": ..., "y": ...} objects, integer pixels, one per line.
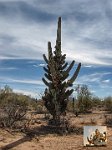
[{"x": 42, "y": 139}]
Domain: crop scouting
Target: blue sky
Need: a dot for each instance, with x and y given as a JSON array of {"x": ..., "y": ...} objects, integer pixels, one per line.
[{"x": 27, "y": 25}]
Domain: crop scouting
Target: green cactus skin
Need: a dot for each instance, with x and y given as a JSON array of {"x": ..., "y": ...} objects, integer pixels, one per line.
[{"x": 57, "y": 73}]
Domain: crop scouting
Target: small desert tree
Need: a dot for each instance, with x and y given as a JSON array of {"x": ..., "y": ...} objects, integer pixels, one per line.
[
  {"x": 84, "y": 98},
  {"x": 57, "y": 72}
]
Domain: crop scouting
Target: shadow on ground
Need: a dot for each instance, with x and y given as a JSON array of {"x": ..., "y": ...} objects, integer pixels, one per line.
[{"x": 41, "y": 131}]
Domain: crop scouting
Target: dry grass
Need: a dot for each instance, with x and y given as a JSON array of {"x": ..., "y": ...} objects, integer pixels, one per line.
[{"x": 40, "y": 136}]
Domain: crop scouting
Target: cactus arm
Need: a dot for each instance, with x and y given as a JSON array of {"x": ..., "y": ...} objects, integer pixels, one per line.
[
  {"x": 65, "y": 75},
  {"x": 45, "y": 82},
  {"x": 45, "y": 58},
  {"x": 70, "y": 66},
  {"x": 50, "y": 54},
  {"x": 68, "y": 93},
  {"x": 72, "y": 79},
  {"x": 64, "y": 66},
  {"x": 48, "y": 77},
  {"x": 58, "y": 40},
  {"x": 45, "y": 69}
]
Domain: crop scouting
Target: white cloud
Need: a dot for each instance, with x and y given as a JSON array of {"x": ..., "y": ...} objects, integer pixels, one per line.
[
  {"x": 29, "y": 39},
  {"x": 106, "y": 81},
  {"x": 7, "y": 68},
  {"x": 26, "y": 92},
  {"x": 37, "y": 82},
  {"x": 92, "y": 78},
  {"x": 86, "y": 34},
  {"x": 11, "y": 0},
  {"x": 40, "y": 65},
  {"x": 24, "y": 81},
  {"x": 87, "y": 66}
]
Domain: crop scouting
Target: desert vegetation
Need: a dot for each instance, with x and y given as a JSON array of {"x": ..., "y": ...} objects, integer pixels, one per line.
[
  {"x": 13, "y": 108},
  {"x": 26, "y": 118},
  {"x": 56, "y": 120},
  {"x": 57, "y": 73}
]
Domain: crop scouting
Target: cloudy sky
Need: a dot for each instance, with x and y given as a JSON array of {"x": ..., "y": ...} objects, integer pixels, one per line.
[{"x": 27, "y": 25}]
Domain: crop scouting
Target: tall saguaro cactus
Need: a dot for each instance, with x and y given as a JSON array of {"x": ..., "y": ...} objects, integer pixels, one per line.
[{"x": 56, "y": 78}]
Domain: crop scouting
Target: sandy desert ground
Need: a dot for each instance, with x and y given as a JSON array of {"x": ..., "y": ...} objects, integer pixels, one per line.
[{"x": 41, "y": 139}]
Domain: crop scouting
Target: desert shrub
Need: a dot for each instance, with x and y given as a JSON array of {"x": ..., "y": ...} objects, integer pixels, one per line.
[
  {"x": 108, "y": 120},
  {"x": 33, "y": 104},
  {"x": 13, "y": 107},
  {"x": 69, "y": 106},
  {"x": 96, "y": 101},
  {"x": 108, "y": 103},
  {"x": 39, "y": 109},
  {"x": 84, "y": 98},
  {"x": 93, "y": 121},
  {"x": 84, "y": 104}
]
